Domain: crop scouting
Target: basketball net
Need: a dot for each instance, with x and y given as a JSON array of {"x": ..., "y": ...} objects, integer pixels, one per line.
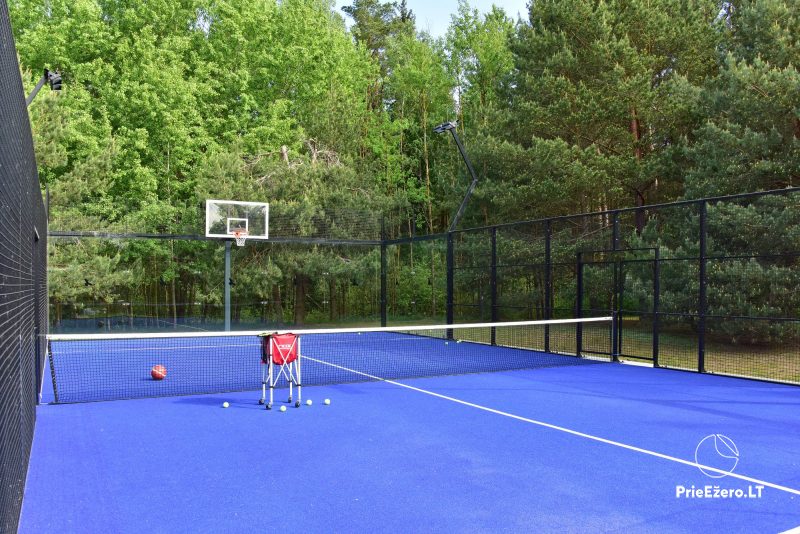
[{"x": 241, "y": 237}]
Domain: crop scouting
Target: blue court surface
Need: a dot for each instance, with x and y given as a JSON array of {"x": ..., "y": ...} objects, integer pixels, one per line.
[{"x": 605, "y": 447}]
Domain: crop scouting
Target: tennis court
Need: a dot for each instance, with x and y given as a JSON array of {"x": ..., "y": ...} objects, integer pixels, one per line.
[{"x": 469, "y": 429}]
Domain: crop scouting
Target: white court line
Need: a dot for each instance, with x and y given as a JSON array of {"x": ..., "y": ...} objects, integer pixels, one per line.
[{"x": 565, "y": 430}]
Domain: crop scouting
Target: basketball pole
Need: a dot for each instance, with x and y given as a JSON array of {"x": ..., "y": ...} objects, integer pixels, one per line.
[{"x": 227, "y": 286}]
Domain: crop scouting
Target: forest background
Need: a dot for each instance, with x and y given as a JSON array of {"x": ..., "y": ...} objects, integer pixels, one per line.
[{"x": 581, "y": 106}]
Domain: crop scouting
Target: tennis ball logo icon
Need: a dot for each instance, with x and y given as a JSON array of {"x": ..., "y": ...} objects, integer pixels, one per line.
[{"x": 719, "y": 452}]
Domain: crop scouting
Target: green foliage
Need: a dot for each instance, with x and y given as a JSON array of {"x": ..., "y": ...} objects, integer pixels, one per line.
[{"x": 584, "y": 106}]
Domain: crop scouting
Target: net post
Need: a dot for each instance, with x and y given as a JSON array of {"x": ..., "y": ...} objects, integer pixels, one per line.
[
  {"x": 37, "y": 348},
  {"x": 37, "y": 315},
  {"x": 656, "y": 303},
  {"x": 383, "y": 272},
  {"x": 52, "y": 371},
  {"x": 614, "y": 338},
  {"x": 548, "y": 284},
  {"x": 450, "y": 284},
  {"x": 579, "y": 306},
  {"x": 493, "y": 284},
  {"x": 620, "y": 311},
  {"x": 227, "y": 286},
  {"x": 703, "y": 304}
]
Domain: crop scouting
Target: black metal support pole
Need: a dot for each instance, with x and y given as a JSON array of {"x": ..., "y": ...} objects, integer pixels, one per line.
[
  {"x": 614, "y": 325},
  {"x": 472, "y": 185},
  {"x": 656, "y": 302},
  {"x": 383, "y": 285},
  {"x": 36, "y": 89},
  {"x": 451, "y": 127},
  {"x": 616, "y": 297},
  {"x": 450, "y": 283},
  {"x": 579, "y": 306},
  {"x": 384, "y": 260},
  {"x": 620, "y": 310},
  {"x": 703, "y": 304},
  {"x": 36, "y": 274},
  {"x": 548, "y": 282},
  {"x": 615, "y": 236},
  {"x": 227, "y": 286},
  {"x": 493, "y": 283}
]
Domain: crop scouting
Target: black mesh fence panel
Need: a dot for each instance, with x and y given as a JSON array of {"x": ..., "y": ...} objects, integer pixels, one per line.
[
  {"x": 416, "y": 281},
  {"x": 472, "y": 265},
  {"x": 178, "y": 285},
  {"x": 23, "y": 293},
  {"x": 704, "y": 285},
  {"x": 522, "y": 276}
]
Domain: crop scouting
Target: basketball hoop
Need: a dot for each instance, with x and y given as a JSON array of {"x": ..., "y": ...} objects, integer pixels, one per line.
[{"x": 240, "y": 236}]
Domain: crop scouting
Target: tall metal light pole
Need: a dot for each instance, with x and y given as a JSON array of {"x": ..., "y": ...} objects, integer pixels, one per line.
[{"x": 451, "y": 127}]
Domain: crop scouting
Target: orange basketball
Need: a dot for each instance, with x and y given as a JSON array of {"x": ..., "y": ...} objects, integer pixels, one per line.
[{"x": 158, "y": 372}]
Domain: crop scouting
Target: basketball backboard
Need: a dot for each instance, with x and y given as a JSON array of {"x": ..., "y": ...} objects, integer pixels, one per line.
[{"x": 225, "y": 218}]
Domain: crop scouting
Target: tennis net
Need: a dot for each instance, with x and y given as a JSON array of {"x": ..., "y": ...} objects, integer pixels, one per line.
[{"x": 97, "y": 367}]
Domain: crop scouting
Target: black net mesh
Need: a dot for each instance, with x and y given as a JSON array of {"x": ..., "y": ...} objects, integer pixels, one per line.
[
  {"x": 23, "y": 296},
  {"x": 91, "y": 367}
]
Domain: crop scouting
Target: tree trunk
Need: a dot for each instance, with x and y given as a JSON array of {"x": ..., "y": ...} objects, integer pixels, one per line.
[
  {"x": 636, "y": 131},
  {"x": 300, "y": 289},
  {"x": 333, "y": 299},
  {"x": 427, "y": 165},
  {"x": 277, "y": 305}
]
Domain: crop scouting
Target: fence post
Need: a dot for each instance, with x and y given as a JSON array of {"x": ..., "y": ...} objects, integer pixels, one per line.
[
  {"x": 616, "y": 295},
  {"x": 36, "y": 276},
  {"x": 450, "y": 283},
  {"x": 493, "y": 283},
  {"x": 656, "y": 302},
  {"x": 579, "y": 306},
  {"x": 548, "y": 282},
  {"x": 383, "y": 272},
  {"x": 703, "y": 304}
]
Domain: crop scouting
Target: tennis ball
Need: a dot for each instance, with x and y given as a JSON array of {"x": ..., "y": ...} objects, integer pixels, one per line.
[
  {"x": 283, "y": 408},
  {"x": 225, "y": 404},
  {"x": 308, "y": 402},
  {"x": 158, "y": 372},
  {"x": 327, "y": 402}
]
